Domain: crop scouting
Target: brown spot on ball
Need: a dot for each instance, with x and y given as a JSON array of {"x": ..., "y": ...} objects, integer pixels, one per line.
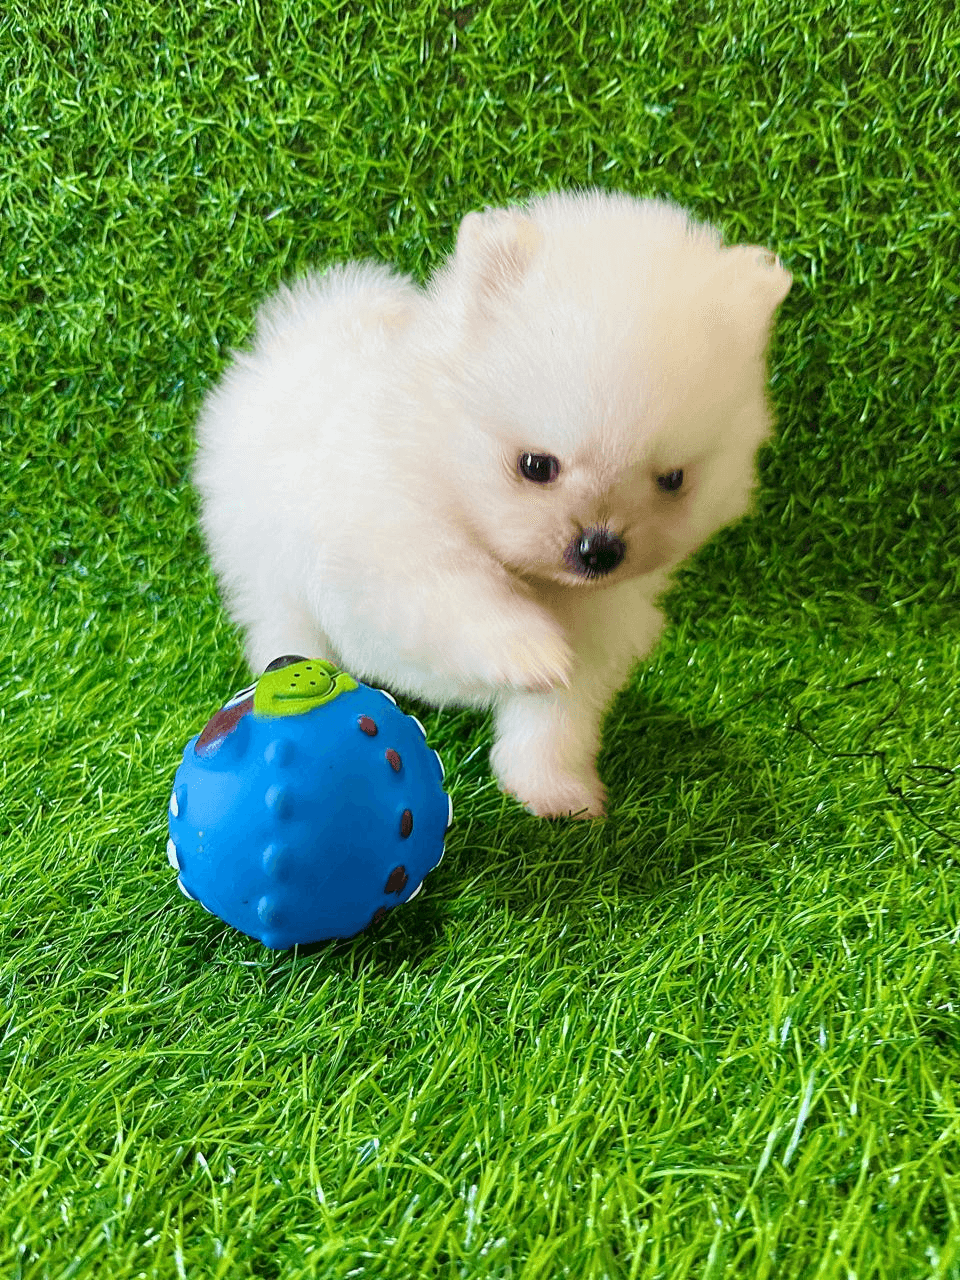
[
  {"x": 368, "y": 726},
  {"x": 397, "y": 880},
  {"x": 220, "y": 726},
  {"x": 406, "y": 823},
  {"x": 378, "y": 915},
  {"x": 393, "y": 759}
]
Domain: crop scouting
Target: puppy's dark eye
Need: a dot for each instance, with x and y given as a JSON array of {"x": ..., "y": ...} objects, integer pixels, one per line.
[
  {"x": 541, "y": 468},
  {"x": 671, "y": 481}
]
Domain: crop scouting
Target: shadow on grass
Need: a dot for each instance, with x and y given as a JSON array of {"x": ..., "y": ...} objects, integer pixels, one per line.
[
  {"x": 682, "y": 796},
  {"x": 686, "y": 799}
]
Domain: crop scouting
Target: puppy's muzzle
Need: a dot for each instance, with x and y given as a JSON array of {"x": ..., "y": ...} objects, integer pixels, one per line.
[{"x": 594, "y": 553}]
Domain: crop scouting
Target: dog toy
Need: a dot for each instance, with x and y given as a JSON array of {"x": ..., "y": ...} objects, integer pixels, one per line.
[{"x": 307, "y": 807}]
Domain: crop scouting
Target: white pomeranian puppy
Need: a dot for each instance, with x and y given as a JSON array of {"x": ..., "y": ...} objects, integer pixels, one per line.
[{"x": 474, "y": 493}]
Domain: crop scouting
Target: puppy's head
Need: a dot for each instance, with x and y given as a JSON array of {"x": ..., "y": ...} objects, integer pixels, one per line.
[{"x": 605, "y": 363}]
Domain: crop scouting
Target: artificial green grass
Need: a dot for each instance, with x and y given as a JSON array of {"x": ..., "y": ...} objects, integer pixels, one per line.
[{"x": 714, "y": 1036}]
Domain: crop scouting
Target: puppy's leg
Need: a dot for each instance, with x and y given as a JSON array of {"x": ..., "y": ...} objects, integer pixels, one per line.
[
  {"x": 449, "y": 637},
  {"x": 546, "y": 743},
  {"x": 544, "y": 752},
  {"x": 283, "y": 628}
]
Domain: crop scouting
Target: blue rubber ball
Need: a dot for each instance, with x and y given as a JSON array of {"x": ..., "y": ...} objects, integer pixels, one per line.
[{"x": 308, "y": 806}]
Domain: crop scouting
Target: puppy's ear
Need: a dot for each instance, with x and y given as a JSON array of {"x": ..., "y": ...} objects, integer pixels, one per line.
[
  {"x": 761, "y": 278},
  {"x": 494, "y": 250}
]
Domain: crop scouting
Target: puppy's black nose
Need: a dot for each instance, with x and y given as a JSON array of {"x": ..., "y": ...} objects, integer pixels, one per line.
[{"x": 595, "y": 552}]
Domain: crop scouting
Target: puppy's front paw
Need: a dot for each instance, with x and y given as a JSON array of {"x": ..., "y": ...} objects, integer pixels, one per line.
[
  {"x": 550, "y": 793},
  {"x": 535, "y": 661}
]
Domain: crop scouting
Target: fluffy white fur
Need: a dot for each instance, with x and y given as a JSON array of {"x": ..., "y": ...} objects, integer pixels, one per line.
[{"x": 358, "y": 468}]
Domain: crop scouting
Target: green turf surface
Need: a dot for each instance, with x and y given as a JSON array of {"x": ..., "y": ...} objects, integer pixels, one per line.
[{"x": 716, "y": 1035}]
